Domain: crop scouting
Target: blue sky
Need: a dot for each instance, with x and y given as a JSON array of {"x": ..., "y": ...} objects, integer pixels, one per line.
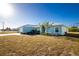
[{"x": 26, "y": 13}]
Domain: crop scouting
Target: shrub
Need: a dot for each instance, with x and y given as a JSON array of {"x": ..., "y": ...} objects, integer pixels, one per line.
[
  {"x": 33, "y": 32},
  {"x": 47, "y": 34}
]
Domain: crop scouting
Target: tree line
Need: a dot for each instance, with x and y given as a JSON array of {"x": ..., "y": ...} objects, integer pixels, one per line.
[
  {"x": 73, "y": 29},
  {"x": 9, "y": 29}
]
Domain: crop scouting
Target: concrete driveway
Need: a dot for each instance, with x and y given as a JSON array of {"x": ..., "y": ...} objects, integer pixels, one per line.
[{"x": 10, "y": 34}]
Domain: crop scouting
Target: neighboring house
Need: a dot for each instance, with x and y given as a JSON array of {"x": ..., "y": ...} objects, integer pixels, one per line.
[
  {"x": 55, "y": 29},
  {"x": 28, "y": 28}
]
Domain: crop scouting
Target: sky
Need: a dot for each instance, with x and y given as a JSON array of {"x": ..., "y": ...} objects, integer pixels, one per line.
[{"x": 35, "y": 13}]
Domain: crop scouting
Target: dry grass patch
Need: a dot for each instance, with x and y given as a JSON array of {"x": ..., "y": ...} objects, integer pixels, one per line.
[{"x": 38, "y": 45}]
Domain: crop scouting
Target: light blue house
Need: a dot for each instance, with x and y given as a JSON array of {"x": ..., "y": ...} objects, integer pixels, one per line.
[
  {"x": 55, "y": 29},
  {"x": 28, "y": 28}
]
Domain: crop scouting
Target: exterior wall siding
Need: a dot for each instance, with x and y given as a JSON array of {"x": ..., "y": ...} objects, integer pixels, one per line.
[
  {"x": 52, "y": 30},
  {"x": 26, "y": 29},
  {"x": 64, "y": 30}
]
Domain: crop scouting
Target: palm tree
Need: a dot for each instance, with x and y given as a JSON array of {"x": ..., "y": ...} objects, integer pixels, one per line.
[{"x": 45, "y": 26}]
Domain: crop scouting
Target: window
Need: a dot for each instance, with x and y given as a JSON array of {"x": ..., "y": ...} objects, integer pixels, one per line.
[{"x": 56, "y": 30}]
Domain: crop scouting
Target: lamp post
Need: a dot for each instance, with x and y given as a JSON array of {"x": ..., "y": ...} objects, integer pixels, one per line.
[{"x": 3, "y": 26}]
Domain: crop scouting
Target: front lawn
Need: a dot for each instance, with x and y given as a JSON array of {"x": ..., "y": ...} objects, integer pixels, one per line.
[{"x": 38, "y": 45}]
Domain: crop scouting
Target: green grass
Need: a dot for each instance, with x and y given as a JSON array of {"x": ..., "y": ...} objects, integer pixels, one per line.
[
  {"x": 73, "y": 34},
  {"x": 38, "y": 45}
]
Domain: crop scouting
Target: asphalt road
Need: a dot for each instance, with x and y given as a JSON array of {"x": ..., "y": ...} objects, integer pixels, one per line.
[{"x": 10, "y": 34}]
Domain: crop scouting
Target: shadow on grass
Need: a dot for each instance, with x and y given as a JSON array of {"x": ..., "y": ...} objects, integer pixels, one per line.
[
  {"x": 72, "y": 38},
  {"x": 73, "y": 35}
]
